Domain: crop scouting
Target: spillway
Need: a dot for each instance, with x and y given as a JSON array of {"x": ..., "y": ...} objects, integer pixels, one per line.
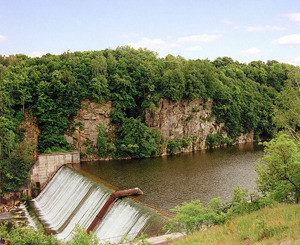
[{"x": 71, "y": 198}]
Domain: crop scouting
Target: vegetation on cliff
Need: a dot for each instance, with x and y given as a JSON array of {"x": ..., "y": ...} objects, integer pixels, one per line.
[{"x": 53, "y": 86}]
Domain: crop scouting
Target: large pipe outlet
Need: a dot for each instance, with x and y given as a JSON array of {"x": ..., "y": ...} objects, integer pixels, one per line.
[{"x": 109, "y": 203}]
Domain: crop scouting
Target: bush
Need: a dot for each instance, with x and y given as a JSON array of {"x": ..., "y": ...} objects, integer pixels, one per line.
[
  {"x": 279, "y": 169},
  {"x": 185, "y": 142},
  {"x": 25, "y": 235},
  {"x": 193, "y": 216},
  {"x": 136, "y": 140},
  {"x": 173, "y": 146},
  {"x": 101, "y": 143},
  {"x": 14, "y": 173},
  {"x": 20, "y": 235},
  {"x": 213, "y": 140}
]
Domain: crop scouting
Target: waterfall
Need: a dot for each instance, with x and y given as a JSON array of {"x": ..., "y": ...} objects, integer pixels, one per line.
[{"x": 71, "y": 198}]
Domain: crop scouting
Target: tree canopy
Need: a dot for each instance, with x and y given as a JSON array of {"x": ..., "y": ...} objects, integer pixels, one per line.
[{"x": 53, "y": 86}]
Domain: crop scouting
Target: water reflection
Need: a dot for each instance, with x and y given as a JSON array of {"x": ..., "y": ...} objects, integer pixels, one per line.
[{"x": 169, "y": 181}]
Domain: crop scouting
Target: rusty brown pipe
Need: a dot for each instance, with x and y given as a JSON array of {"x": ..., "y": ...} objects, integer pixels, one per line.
[{"x": 109, "y": 203}]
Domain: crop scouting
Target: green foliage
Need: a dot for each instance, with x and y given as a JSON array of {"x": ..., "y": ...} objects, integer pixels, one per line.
[
  {"x": 20, "y": 235},
  {"x": 195, "y": 109},
  {"x": 25, "y": 235},
  {"x": 52, "y": 87},
  {"x": 271, "y": 225},
  {"x": 240, "y": 203},
  {"x": 185, "y": 142},
  {"x": 137, "y": 140},
  {"x": 189, "y": 118},
  {"x": 101, "y": 144},
  {"x": 173, "y": 146},
  {"x": 80, "y": 236},
  {"x": 193, "y": 216},
  {"x": 279, "y": 170},
  {"x": 287, "y": 106},
  {"x": 15, "y": 159},
  {"x": 140, "y": 240},
  {"x": 13, "y": 173},
  {"x": 213, "y": 140}
]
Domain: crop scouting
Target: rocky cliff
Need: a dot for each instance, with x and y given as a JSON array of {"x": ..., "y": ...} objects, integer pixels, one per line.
[
  {"x": 29, "y": 128},
  {"x": 189, "y": 120},
  {"x": 184, "y": 120},
  {"x": 83, "y": 130}
]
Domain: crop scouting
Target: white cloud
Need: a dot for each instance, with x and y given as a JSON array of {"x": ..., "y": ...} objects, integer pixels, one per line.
[
  {"x": 251, "y": 51},
  {"x": 194, "y": 48},
  {"x": 2, "y": 38},
  {"x": 294, "y": 61},
  {"x": 152, "y": 44},
  {"x": 265, "y": 28},
  {"x": 291, "y": 40},
  {"x": 295, "y": 17},
  {"x": 37, "y": 54},
  {"x": 205, "y": 38}
]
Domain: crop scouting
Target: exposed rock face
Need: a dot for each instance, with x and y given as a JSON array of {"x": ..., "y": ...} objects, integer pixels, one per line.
[
  {"x": 187, "y": 119},
  {"x": 184, "y": 119},
  {"x": 245, "y": 138},
  {"x": 83, "y": 131},
  {"x": 192, "y": 120},
  {"x": 31, "y": 133}
]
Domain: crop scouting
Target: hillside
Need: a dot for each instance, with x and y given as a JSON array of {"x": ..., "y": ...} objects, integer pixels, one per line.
[
  {"x": 271, "y": 225},
  {"x": 130, "y": 103}
]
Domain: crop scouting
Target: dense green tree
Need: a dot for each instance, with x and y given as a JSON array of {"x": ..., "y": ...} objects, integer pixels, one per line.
[
  {"x": 137, "y": 140},
  {"x": 287, "y": 107},
  {"x": 279, "y": 170}
]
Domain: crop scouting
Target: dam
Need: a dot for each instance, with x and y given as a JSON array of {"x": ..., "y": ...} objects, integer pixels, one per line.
[{"x": 71, "y": 199}]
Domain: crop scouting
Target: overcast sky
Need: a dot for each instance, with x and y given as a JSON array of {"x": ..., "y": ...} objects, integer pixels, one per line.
[{"x": 195, "y": 29}]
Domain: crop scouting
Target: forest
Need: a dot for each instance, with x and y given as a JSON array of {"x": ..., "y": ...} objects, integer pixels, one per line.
[{"x": 245, "y": 97}]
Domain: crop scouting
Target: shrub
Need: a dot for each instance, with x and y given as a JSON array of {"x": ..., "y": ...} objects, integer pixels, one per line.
[
  {"x": 173, "y": 146},
  {"x": 136, "y": 140},
  {"x": 101, "y": 143},
  {"x": 185, "y": 142},
  {"x": 213, "y": 140}
]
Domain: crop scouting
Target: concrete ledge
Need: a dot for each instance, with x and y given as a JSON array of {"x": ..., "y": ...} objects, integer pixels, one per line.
[{"x": 47, "y": 165}]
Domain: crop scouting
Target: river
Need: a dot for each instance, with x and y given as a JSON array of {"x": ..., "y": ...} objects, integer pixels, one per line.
[{"x": 170, "y": 180}]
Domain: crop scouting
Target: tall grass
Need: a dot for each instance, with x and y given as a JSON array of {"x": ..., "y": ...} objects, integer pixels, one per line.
[{"x": 268, "y": 225}]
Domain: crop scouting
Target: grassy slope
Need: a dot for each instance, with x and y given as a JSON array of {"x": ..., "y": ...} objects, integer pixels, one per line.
[{"x": 266, "y": 226}]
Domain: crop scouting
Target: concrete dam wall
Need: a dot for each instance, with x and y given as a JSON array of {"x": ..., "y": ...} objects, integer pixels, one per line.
[
  {"x": 71, "y": 198},
  {"x": 47, "y": 165}
]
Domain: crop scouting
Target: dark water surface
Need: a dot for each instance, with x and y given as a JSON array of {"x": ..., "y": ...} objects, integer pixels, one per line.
[{"x": 169, "y": 181}]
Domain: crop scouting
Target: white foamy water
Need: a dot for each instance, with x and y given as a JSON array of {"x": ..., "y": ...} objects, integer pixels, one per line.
[{"x": 70, "y": 199}]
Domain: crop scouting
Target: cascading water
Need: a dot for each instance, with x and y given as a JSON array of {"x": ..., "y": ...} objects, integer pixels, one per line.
[{"x": 70, "y": 199}]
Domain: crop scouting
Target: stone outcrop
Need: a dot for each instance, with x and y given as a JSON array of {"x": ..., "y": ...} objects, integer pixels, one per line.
[
  {"x": 9, "y": 201},
  {"x": 31, "y": 131},
  {"x": 83, "y": 133},
  {"x": 191, "y": 120}
]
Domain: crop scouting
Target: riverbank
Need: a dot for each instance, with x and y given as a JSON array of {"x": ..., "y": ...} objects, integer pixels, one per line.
[{"x": 271, "y": 225}]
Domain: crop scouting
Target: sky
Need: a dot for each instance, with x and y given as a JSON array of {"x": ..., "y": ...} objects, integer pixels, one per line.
[{"x": 245, "y": 30}]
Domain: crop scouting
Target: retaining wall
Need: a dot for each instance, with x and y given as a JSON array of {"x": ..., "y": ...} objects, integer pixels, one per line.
[{"x": 47, "y": 165}]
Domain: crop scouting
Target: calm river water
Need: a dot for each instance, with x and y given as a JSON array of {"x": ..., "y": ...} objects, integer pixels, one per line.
[{"x": 169, "y": 181}]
